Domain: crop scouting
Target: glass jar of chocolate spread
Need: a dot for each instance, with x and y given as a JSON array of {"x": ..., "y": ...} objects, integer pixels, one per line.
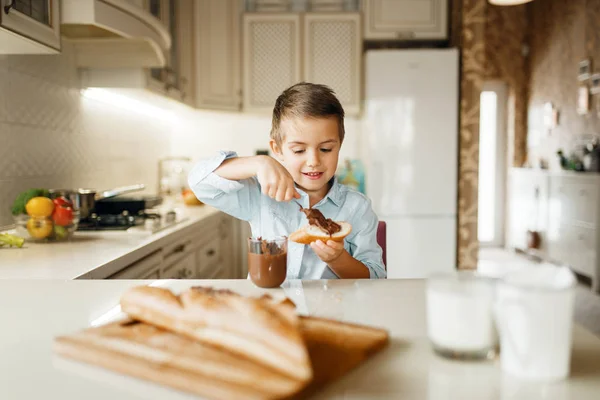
[{"x": 267, "y": 261}]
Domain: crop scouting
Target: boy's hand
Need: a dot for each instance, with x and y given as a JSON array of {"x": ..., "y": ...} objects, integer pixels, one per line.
[
  {"x": 275, "y": 181},
  {"x": 328, "y": 252}
]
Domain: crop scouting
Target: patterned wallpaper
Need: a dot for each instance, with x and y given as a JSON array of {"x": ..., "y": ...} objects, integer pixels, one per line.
[
  {"x": 506, "y": 34},
  {"x": 491, "y": 40},
  {"x": 562, "y": 34},
  {"x": 472, "y": 72}
]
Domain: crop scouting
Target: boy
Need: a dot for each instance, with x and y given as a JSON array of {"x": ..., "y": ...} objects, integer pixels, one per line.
[{"x": 306, "y": 136}]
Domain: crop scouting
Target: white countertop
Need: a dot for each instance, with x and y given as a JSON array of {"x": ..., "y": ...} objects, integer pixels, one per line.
[
  {"x": 33, "y": 312},
  {"x": 88, "y": 254}
]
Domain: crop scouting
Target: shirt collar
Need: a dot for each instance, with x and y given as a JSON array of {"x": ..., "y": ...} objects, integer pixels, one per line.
[{"x": 334, "y": 194}]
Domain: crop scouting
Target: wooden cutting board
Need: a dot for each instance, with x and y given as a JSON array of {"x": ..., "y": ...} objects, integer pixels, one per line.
[{"x": 147, "y": 352}]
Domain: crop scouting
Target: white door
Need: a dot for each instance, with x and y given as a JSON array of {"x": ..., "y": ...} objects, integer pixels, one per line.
[{"x": 492, "y": 164}]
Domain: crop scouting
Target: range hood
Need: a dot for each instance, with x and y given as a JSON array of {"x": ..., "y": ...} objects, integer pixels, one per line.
[{"x": 114, "y": 34}]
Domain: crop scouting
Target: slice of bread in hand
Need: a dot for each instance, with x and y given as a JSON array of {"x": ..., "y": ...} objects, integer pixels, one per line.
[{"x": 310, "y": 233}]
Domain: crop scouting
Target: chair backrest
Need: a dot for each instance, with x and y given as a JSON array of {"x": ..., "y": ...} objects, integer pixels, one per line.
[{"x": 382, "y": 240}]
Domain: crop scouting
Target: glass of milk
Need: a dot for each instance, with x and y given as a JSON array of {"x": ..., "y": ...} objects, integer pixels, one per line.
[{"x": 460, "y": 320}]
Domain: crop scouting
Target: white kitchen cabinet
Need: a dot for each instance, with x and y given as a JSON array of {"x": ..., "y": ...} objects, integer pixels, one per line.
[
  {"x": 566, "y": 210},
  {"x": 217, "y": 54},
  {"x": 282, "y": 49},
  {"x": 206, "y": 250},
  {"x": 332, "y": 55},
  {"x": 30, "y": 27},
  {"x": 573, "y": 223},
  {"x": 405, "y": 19},
  {"x": 272, "y": 58}
]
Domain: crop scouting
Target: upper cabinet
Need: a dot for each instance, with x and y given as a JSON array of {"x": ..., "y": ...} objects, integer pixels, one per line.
[
  {"x": 283, "y": 49},
  {"x": 115, "y": 34},
  {"x": 332, "y": 55},
  {"x": 30, "y": 27},
  {"x": 174, "y": 78},
  {"x": 217, "y": 54},
  {"x": 405, "y": 19},
  {"x": 272, "y": 58}
]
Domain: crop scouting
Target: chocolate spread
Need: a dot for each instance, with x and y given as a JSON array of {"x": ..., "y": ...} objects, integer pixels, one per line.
[
  {"x": 316, "y": 218},
  {"x": 212, "y": 291},
  {"x": 268, "y": 269}
]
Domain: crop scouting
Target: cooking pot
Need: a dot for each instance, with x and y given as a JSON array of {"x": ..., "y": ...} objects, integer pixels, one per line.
[{"x": 85, "y": 199}]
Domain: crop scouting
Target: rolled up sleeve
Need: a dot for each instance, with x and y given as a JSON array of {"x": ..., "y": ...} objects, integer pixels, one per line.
[
  {"x": 363, "y": 244},
  {"x": 236, "y": 198}
]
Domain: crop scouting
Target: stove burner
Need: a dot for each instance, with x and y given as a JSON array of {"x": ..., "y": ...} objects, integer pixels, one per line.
[{"x": 101, "y": 222}]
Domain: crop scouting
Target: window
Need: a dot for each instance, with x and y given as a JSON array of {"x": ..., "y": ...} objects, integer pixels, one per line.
[{"x": 492, "y": 164}]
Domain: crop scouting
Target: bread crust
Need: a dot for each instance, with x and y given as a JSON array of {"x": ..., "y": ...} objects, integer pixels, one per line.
[{"x": 260, "y": 329}]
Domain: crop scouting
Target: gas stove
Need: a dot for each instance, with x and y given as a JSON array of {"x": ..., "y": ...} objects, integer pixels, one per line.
[
  {"x": 105, "y": 222},
  {"x": 148, "y": 220}
]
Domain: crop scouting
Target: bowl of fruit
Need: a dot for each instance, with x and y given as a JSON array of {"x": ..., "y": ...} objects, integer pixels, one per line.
[{"x": 38, "y": 217}]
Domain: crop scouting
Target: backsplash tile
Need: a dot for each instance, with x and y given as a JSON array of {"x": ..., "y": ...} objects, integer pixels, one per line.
[
  {"x": 53, "y": 137},
  {"x": 39, "y": 102}
]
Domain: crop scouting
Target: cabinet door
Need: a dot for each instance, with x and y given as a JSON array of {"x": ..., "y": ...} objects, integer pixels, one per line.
[
  {"x": 183, "y": 87},
  {"x": 208, "y": 259},
  {"x": 227, "y": 247},
  {"x": 406, "y": 19},
  {"x": 217, "y": 35},
  {"x": 183, "y": 268},
  {"x": 332, "y": 55},
  {"x": 271, "y": 58},
  {"x": 36, "y": 20}
]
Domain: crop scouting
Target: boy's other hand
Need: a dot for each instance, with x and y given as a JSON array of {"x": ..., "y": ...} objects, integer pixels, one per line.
[
  {"x": 275, "y": 181},
  {"x": 328, "y": 252}
]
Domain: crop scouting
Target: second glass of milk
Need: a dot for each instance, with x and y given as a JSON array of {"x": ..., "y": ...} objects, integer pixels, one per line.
[{"x": 460, "y": 321}]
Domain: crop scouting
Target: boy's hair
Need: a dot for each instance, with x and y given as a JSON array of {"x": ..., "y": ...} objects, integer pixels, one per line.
[{"x": 306, "y": 100}]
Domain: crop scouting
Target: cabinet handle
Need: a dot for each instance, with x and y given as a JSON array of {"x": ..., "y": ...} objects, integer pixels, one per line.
[
  {"x": 405, "y": 35},
  {"x": 8, "y": 7},
  {"x": 211, "y": 252}
]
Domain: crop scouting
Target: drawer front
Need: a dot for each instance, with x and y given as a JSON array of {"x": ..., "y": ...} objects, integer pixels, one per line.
[
  {"x": 574, "y": 199},
  {"x": 152, "y": 275},
  {"x": 574, "y": 246},
  {"x": 141, "y": 268},
  {"x": 175, "y": 250},
  {"x": 183, "y": 268}
]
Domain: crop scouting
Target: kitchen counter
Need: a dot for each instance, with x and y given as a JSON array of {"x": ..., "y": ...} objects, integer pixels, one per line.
[
  {"x": 34, "y": 312},
  {"x": 92, "y": 254}
]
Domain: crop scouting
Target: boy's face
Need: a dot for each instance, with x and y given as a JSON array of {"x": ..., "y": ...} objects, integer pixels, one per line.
[{"x": 309, "y": 151}]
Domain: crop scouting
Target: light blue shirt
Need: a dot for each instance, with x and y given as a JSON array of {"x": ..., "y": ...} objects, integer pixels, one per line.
[{"x": 269, "y": 218}]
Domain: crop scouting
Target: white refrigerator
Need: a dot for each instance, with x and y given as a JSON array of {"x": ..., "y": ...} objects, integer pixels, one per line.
[{"x": 410, "y": 152}]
